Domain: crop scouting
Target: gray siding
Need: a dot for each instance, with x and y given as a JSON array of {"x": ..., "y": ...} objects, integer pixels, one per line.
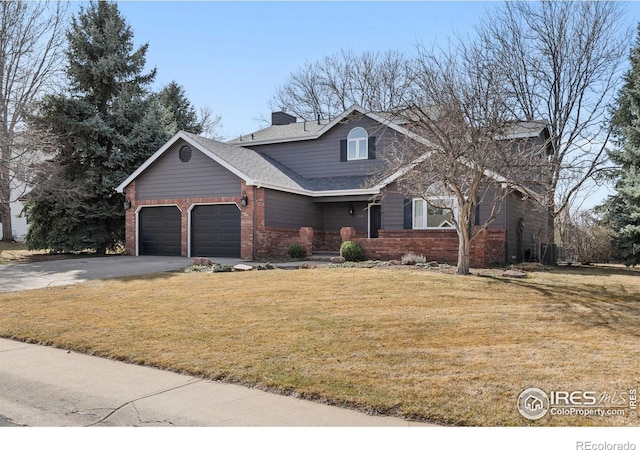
[
  {"x": 536, "y": 224},
  {"x": 286, "y": 210},
  {"x": 393, "y": 211},
  {"x": 321, "y": 157},
  {"x": 336, "y": 216},
  {"x": 168, "y": 177},
  {"x": 500, "y": 222}
]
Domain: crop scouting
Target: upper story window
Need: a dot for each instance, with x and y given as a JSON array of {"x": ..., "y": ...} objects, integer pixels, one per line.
[{"x": 357, "y": 144}]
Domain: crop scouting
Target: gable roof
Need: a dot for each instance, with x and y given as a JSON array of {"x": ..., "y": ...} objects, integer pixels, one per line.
[
  {"x": 258, "y": 170},
  {"x": 303, "y": 131},
  {"x": 309, "y": 130}
]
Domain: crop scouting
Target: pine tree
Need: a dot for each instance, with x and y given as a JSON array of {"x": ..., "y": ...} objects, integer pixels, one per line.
[
  {"x": 181, "y": 115},
  {"x": 623, "y": 208},
  {"x": 106, "y": 124}
]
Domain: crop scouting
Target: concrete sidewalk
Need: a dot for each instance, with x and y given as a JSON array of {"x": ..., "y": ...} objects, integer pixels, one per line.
[{"x": 44, "y": 386}]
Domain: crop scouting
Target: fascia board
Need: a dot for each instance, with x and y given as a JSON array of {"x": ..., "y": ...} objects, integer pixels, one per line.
[
  {"x": 523, "y": 134},
  {"x": 309, "y": 193},
  {"x": 273, "y": 141}
]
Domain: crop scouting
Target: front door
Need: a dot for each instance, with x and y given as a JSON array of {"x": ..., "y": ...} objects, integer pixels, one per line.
[{"x": 375, "y": 220}]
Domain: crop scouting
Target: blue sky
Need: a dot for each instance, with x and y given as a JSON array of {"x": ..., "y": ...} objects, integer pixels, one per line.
[{"x": 232, "y": 56}]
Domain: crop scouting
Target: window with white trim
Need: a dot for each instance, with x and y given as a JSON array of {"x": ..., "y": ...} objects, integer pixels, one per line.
[
  {"x": 357, "y": 144},
  {"x": 438, "y": 214}
]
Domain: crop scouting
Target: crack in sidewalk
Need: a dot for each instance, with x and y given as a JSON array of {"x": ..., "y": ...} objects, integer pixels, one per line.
[{"x": 130, "y": 402}]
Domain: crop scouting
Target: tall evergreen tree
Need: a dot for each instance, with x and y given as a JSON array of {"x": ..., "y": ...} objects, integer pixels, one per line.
[
  {"x": 106, "y": 125},
  {"x": 181, "y": 115},
  {"x": 623, "y": 208}
]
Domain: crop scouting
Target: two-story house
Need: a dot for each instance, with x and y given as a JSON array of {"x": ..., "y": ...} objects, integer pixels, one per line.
[{"x": 305, "y": 182}]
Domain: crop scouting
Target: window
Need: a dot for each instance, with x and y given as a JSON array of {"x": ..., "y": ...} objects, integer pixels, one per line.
[
  {"x": 357, "y": 144},
  {"x": 430, "y": 216}
]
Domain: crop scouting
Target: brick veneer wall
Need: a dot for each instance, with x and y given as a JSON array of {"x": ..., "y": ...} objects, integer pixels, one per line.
[
  {"x": 330, "y": 241},
  {"x": 439, "y": 245},
  {"x": 274, "y": 241},
  {"x": 436, "y": 245}
]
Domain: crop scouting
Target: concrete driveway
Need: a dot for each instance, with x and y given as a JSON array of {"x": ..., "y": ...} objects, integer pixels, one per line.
[{"x": 19, "y": 277}]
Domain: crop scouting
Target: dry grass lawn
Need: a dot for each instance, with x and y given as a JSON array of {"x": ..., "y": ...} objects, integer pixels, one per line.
[
  {"x": 11, "y": 251},
  {"x": 424, "y": 345}
]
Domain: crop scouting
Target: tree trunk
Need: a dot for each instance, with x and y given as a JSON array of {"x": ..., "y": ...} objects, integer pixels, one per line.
[
  {"x": 5, "y": 216},
  {"x": 464, "y": 252}
]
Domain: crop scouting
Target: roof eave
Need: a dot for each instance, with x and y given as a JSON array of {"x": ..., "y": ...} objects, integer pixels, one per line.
[{"x": 325, "y": 193}]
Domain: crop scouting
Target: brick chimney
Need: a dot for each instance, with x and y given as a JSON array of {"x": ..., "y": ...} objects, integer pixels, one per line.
[{"x": 282, "y": 118}]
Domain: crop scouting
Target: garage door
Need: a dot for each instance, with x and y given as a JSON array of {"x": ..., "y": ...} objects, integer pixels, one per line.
[
  {"x": 215, "y": 231},
  {"x": 159, "y": 231}
]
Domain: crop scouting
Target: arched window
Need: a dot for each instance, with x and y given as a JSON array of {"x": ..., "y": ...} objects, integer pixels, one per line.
[{"x": 357, "y": 144}]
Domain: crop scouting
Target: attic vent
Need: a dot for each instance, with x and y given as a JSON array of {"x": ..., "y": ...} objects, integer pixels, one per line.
[{"x": 185, "y": 153}]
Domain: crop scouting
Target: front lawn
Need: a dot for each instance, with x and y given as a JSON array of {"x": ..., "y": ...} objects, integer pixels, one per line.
[{"x": 414, "y": 343}]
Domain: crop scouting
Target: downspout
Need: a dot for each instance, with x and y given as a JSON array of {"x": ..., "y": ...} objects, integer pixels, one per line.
[{"x": 255, "y": 220}]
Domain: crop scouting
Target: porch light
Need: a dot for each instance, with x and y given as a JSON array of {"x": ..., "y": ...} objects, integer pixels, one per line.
[
  {"x": 127, "y": 203},
  {"x": 244, "y": 201},
  {"x": 351, "y": 209}
]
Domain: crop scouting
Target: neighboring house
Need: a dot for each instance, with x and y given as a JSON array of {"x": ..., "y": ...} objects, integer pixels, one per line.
[
  {"x": 19, "y": 223},
  {"x": 305, "y": 182}
]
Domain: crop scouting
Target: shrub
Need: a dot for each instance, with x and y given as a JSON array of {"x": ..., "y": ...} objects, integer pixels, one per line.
[
  {"x": 411, "y": 259},
  {"x": 351, "y": 251},
  {"x": 295, "y": 251}
]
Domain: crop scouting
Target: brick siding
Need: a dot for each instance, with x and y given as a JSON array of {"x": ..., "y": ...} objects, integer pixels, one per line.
[
  {"x": 487, "y": 249},
  {"x": 260, "y": 241}
]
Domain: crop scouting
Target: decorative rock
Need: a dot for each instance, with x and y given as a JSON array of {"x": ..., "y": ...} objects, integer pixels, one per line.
[
  {"x": 395, "y": 262},
  {"x": 242, "y": 267},
  {"x": 306, "y": 266},
  {"x": 202, "y": 262},
  {"x": 514, "y": 274},
  {"x": 337, "y": 259}
]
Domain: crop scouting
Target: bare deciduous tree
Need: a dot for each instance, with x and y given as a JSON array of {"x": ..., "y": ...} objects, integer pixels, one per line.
[
  {"x": 462, "y": 150},
  {"x": 587, "y": 239},
  {"x": 31, "y": 45},
  {"x": 561, "y": 63},
  {"x": 210, "y": 123},
  {"x": 375, "y": 81}
]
